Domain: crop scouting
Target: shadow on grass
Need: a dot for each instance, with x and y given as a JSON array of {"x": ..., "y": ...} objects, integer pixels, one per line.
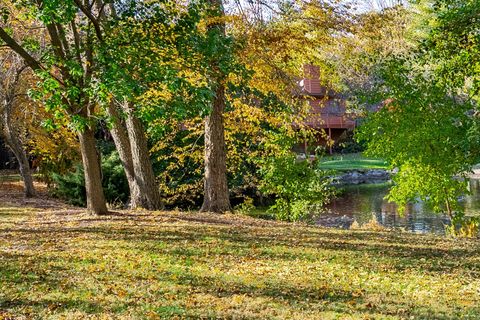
[
  {"x": 283, "y": 243},
  {"x": 423, "y": 254},
  {"x": 329, "y": 299},
  {"x": 24, "y": 274},
  {"x": 52, "y": 305}
]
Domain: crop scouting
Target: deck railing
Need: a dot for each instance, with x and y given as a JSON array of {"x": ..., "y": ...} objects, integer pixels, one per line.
[{"x": 328, "y": 120}]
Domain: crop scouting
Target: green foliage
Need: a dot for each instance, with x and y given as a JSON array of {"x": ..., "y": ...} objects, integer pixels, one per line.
[
  {"x": 299, "y": 189},
  {"x": 166, "y": 62},
  {"x": 246, "y": 206},
  {"x": 452, "y": 47},
  {"x": 429, "y": 183},
  {"x": 65, "y": 61},
  {"x": 71, "y": 186},
  {"x": 347, "y": 144},
  {"x": 178, "y": 161},
  {"x": 429, "y": 133},
  {"x": 114, "y": 181},
  {"x": 427, "y": 93}
]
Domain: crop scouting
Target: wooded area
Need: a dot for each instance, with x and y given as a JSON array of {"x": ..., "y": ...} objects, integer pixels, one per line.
[{"x": 126, "y": 112}]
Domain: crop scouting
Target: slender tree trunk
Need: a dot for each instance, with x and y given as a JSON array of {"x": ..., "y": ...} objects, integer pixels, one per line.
[
  {"x": 447, "y": 204},
  {"x": 122, "y": 144},
  {"x": 216, "y": 197},
  {"x": 17, "y": 149},
  {"x": 93, "y": 177},
  {"x": 149, "y": 193},
  {"x": 15, "y": 144}
]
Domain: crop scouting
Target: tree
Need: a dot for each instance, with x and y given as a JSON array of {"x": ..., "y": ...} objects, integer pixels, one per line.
[
  {"x": 427, "y": 125},
  {"x": 424, "y": 131},
  {"x": 279, "y": 38},
  {"x": 127, "y": 130},
  {"x": 66, "y": 77},
  {"x": 261, "y": 66},
  {"x": 76, "y": 30},
  {"x": 175, "y": 61},
  {"x": 216, "y": 196},
  {"x": 12, "y": 88}
]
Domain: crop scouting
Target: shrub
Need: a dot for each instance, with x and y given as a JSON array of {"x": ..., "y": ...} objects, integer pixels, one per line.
[
  {"x": 464, "y": 226},
  {"x": 71, "y": 186},
  {"x": 245, "y": 207},
  {"x": 298, "y": 188},
  {"x": 114, "y": 180},
  {"x": 348, "y": 144}
]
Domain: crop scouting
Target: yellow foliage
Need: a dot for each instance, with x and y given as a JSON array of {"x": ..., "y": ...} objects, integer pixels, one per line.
[{"x": 250, "y": 135}]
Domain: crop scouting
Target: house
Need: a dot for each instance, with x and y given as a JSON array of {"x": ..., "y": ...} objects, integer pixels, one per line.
[{"x": 328, "y": 113}]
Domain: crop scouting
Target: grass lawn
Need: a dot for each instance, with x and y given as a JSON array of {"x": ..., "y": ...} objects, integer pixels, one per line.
[
  {"x": 354, "y": 161},
  {"x": 7, "y": 176},
  {"x": 56, "y": 262}
]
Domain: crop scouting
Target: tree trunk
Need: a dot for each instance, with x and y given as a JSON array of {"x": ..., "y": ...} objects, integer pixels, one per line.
[
  {"x": 93, "y": 176},
  {"x": 149, "y": 193},
  {"x": 216, "y": 197},
  {"x": 17, "y": 149},
  {"x": 15, "y": 144},
  {"x": 122, "y": 144}
]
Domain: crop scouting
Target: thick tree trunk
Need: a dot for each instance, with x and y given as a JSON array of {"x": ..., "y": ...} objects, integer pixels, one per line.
[
  {"x": 149, "y": 193},
  {"x": 93, "y": 177},
  {"x": 122, "y": 144},
  {"x": 15, "y": 144},
  {"x": 216, "y": 197}
]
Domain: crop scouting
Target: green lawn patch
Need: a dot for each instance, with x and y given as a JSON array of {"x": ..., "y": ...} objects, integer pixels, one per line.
[
  {"x": 9, "y": 177},
  {"x": 137, "y": 265},
  {"x": 354, "y": 161}
]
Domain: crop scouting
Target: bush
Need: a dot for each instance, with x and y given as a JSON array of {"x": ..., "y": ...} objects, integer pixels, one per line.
[
  {"x": 299, "y": 190},
  {"x": 348, "y": 144},
  {"x": 463, "y": 226},
  {"x": 114, "y": 180},
  {"x": 245, "y": 207},
  {"x": 71, "y": 186}
]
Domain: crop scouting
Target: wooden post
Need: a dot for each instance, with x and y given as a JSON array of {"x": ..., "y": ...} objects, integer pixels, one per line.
[
  {"x": 306, "y": 150},
  {"x": 330, "y": 139}
]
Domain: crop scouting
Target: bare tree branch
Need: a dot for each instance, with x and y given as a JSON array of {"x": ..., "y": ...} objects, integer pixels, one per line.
[
  {"x": 89, "y": 15},
  {"x": 10, "y": 42}
]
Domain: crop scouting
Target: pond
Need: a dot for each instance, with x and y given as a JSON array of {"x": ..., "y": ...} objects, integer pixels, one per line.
[{"x": 365, "y": 202}]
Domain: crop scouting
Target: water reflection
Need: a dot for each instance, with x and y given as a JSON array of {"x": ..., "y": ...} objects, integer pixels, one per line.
[{"x": 361, "y": 202}]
